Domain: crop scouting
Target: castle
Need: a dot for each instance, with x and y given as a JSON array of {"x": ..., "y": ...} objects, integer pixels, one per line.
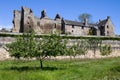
[{"x": 25, "y": 20}]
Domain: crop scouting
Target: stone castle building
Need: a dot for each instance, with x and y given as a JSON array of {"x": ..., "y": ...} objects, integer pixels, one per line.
[{"x": 25, "y": 20}]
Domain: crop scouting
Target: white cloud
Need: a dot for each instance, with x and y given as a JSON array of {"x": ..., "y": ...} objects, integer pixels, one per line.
[{"x": 6, "y": 27}]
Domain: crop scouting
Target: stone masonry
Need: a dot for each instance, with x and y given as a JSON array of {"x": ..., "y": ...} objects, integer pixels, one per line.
[{"x": 25, "y": 20}]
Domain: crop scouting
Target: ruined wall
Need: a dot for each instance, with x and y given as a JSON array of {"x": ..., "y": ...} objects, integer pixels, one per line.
[
  {"x": 48, "y": 25},
  {"x": 25, "y": 20},
  {"x": 28, "y": 21},
  {"x": 17, "y": 21}
]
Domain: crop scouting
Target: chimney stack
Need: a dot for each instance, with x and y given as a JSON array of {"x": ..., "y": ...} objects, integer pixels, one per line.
[
  {"x": 108, "y": 17},
  {"x": 86, "y": 21}
]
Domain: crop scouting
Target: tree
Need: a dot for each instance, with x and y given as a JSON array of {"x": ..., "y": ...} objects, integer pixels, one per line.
[
  {"x": 84, "y": 16},
  {"x": 28, "y": 46},
  {"x": 50, "y": 46},
  {"x": 23, "y": 46},
  {"x": 94, "y": 44},
  {"x": 79, "y": 48}
]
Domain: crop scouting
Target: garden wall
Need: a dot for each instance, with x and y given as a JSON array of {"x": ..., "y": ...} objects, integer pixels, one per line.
[{"x": 115, "y": 44}]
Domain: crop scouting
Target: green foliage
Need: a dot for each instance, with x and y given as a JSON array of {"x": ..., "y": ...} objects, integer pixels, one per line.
[
  {"x": 50, "y": 46},
  {"x": 106, "y": 50},
  {"x": 28, "y": 46},
  {"x": 16, "y": 48},
  {"x": 79, "y": 48},
  {"x": 23, "y": 46},
  {"x": 67, "y": 33},
  {"x": 63, "y": 37},
  {"x": 84, "y": 16},
  {"x": 54, "y": 46},
  {"x": 94, "y": 44},
  {"x": 90, "y": 32}
]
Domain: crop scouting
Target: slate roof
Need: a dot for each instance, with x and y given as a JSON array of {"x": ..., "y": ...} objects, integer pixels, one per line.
[
  {"x": 102, "y": 23},
  {"x": 92, "y": 24},
  {"x": 76, "y": 23}
]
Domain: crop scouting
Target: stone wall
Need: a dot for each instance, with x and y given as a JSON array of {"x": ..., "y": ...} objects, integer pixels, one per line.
[
  {"x": 114, "y": 44},
  {"x": 109, "y": 28},
  {"x": 17, "y": 21},
  {"x": 77, "y": 30},
  {"x": 25, "y": 20}
]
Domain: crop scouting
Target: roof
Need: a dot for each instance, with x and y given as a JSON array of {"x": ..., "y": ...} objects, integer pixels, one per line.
[
  {"x": 102, "y": 23},
  {"x": 92, "y": 24},
  {"x": 76, "y": 23}
]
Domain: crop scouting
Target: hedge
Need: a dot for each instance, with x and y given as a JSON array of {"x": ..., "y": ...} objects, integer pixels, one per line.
[{"x": 63, "y": 36}]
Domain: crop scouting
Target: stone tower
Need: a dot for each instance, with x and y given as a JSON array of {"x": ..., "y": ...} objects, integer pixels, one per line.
[
  {"x": 27, "y": 20},
  {"x": 17, "y": 21}
]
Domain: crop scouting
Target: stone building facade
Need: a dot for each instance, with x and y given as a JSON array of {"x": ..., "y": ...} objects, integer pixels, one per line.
[{"x": 25, "y": 20}]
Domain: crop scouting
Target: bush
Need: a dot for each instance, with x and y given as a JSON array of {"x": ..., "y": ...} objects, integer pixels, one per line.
[
  {"x": 79, "y": 48},
  {"x": 106, "y": 50}
]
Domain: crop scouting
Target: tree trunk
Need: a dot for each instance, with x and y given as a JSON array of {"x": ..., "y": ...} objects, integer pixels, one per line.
[{"x": 41, "y": 64}]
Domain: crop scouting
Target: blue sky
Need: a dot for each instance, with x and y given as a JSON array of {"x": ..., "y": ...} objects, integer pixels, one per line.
[{"x": 68, "y": 9}]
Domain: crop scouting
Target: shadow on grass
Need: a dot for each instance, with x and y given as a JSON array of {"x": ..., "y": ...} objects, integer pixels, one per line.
[
  {"x": 27, "y": 68},
  {"x": 116, "y": 69}
]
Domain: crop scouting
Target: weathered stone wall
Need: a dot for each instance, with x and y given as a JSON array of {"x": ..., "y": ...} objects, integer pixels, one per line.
[
  {"x": 109, "y": 28},
  {"x": 17, "y": 21},
  {"x": 4, "y": 54},
  {"x": 27, "y": 19},
  {"x": 77, "y": 30},
  {"x": 48, "y": 25},
  {"x": 114, "y": 44}
]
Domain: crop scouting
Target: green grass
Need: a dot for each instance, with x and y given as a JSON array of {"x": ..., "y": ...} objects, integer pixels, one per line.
[{"x": 97, "y": 69}]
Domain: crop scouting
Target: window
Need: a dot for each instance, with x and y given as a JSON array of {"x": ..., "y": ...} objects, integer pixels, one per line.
[
  {"x": 107, "y": 26},
  {"x": 72, "y": 26},
  {"x": 29, "y": 26},
  {"x": 38, "y": 23},
  {"x": 55, "y": 26},
  {"x": 72, "y": 31},
  {"x": 28, "y": 17},
  {"x": 28, "y": 23},
  {"x": 82, "y": 27}
]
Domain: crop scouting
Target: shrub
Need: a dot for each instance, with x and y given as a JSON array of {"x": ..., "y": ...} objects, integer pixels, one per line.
[{"x": 106, "y": 50}]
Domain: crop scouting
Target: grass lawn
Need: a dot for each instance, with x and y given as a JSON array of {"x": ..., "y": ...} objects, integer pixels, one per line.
[{"x": 87, "y": 69}]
